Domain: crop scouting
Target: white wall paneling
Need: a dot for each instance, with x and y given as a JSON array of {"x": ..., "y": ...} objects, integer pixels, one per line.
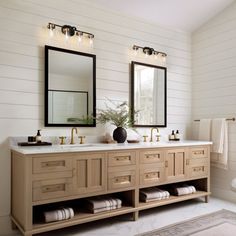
[
  {"x": 23, "y": 26},
  {"x": 214, "y": 86}
]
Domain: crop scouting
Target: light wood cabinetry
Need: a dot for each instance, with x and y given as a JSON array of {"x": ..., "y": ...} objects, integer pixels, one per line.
[
  {"x": 89, "y": 173},
  {"x": 60, "y": 178},
  {"x": 175, "y": 164}
]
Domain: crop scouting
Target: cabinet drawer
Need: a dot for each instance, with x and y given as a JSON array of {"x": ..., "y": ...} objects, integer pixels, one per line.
[
  {"x": 54, "y": 188},
  {"x": 121, "y": 179},
  {"x": 51, "y": 164},
  {"x": 151, "y": 175},
  {"x": 198, "y": 168},
  {"x": 151, "y": 156},
  {"x": 199, "y": 152},
  {"x": 121, "y": 158}
]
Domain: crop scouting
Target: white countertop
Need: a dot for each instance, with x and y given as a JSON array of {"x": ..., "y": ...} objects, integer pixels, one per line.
[{"x": 104, "y": 147}]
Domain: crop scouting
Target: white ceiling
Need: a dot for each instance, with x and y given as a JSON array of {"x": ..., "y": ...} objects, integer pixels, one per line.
[{"x": 185, "y": 15}]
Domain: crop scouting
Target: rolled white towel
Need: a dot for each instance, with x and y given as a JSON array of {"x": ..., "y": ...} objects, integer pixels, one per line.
[
  {"x": 152, "y": 194},
  {"x": 57, "y": 215},
  {"x": 105, "y": 209},
  {"x": 185, "y": 190},
  {"x": 108, "y": 203}
]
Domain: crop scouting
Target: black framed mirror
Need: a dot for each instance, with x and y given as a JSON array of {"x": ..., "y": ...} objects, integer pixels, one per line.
[
  {"x": 70, "y": 88},
  {"x": 148, "y": 95}
]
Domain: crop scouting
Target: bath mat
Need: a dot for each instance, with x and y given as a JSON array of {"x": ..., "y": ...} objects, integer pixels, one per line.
[{"x": 220, "y": 223}]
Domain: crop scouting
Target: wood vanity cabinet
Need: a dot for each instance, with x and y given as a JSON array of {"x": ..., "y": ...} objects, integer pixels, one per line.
[
  {"x": 89, "y": 173},
  {"x": 151, "y": 167},
  {"x": 175, "y": 164},
  {"x": 40, "y": 180}
]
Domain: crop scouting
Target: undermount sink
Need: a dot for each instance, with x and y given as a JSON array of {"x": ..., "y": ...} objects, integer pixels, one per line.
[{"x": 68, "y": 146}]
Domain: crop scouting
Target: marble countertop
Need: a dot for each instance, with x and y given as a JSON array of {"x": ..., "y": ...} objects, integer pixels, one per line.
[{"x": 88, "y": 147}]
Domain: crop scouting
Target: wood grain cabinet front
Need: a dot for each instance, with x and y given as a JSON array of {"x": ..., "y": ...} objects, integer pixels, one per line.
[
  {"x": 89, "y": 173},
  {"x": 121, "y": 158},
  {"x": 52, "y": 189},
  {"x": 199, "y": 152},
  {"x": 151, "y": 156},
  {"x": 198, "y": 163},
  {"x": 121, "y": 178},
  {"x": 51, "y": 163},
  {"x": 65, "y": 178},
  {"x": 151, "y": 174},
  {"x": 175, "y": 164}
]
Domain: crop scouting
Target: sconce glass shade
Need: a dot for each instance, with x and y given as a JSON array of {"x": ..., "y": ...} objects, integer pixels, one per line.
[
  {"x": 80, "y": 36},
  {"x": 91, "y": 40},
  {"x": 51, "y": 28}
]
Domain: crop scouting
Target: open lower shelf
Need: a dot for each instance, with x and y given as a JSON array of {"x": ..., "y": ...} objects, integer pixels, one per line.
[
  {"x": 171, "y": 199},
  {"x": 81, "y": 217}
]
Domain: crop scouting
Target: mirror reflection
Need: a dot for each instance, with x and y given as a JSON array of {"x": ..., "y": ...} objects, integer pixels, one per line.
[
  {"x": 148, "y": 95},
  {"x": 70, "y": 88}
]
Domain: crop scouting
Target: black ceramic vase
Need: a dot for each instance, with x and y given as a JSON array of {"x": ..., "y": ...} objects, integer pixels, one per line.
[{"x": 119, "y": 135}]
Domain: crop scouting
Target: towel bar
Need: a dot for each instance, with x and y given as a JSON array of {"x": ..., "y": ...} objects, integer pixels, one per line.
[{"x": 228, "y": 119}]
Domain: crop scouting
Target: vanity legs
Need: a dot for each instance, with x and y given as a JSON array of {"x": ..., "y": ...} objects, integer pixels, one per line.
[
  {"x": 206, "y": 199},
  {"x": 135, "y": 215}
]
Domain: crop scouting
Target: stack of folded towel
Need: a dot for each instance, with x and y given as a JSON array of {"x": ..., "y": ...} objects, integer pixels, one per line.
[
  {"x": 57, "y": 215},
  {"x": 183, "y": 190},
  {"x": 153, "y": 194},
  {"x": 100, "y": 204}
]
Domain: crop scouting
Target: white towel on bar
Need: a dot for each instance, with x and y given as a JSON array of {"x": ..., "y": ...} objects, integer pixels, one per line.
[
  {"x": 204, "y": 130},
  {"x": 219, "y": 136}
]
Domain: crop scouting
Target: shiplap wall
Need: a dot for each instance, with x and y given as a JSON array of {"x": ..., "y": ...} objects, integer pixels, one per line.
[
  {"x": 22, "y": 39},
  {"x": 214, "y": 86}
]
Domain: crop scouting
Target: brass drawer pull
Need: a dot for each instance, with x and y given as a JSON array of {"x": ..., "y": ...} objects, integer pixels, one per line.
[
  {"x": 123, "y": 158},
  {"x": 200, "y": 152},
  {"x": 52, "y": 164},
  {"x": 152, "y": 175},
  {"x": 122, "y": 179},
  {"x": 197, "y": 169},
  {"x": 153, "y": 156},
  {"x": 53, "y": 188}
]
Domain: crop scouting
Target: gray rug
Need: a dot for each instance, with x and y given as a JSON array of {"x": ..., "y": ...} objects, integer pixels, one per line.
[{"x": 220, "y": 223}]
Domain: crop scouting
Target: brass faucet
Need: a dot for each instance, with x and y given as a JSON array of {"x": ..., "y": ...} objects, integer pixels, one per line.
[
  {"x": 158, "y": 134},
  {"x": 72, "y": 135}
]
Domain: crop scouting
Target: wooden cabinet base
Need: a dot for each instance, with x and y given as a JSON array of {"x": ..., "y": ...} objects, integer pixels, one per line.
[{"x": 42, "y": 180}]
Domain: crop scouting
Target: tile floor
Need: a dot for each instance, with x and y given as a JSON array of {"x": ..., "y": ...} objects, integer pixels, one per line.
[{"x": 123, "y": 226}]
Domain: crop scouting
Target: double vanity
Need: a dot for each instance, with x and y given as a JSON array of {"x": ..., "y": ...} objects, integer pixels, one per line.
[{"x": 64, "y": 175}]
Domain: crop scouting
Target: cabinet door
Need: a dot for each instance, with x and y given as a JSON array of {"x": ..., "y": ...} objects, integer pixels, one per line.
[
  {"x": 89, "y": 173},
  {"x": 175, "y": 164}
]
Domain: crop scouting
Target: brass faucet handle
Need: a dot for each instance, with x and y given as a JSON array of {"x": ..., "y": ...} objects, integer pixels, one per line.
[
  {"x": 82, "y": 138},
  {"x": 62, "y": 140},
  {"x": 145, "y": 138},
  {"x": 158, "y": 137}
]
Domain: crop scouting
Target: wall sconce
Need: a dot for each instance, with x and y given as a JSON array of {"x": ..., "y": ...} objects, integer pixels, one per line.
[
  {"x": 149, "y": 51},
  {"x": 70, "y": 31}
]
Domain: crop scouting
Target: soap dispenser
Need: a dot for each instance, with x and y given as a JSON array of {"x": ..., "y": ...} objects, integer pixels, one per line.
[
  {"x": 38, "y": 137},
  {"x": 177, "y": 137},
  {"x": 172, "y": 135}
]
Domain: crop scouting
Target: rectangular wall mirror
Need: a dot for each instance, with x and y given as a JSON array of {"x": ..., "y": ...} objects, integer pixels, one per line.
[
  {"x": 70, "y": 88},
  {"x": 148, "y": 95}
]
